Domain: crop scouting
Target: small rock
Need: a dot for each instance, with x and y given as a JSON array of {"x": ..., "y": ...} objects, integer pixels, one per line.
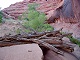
[
  {"x": 65, "y": 39},
  {"x": 77, "y": 51}
]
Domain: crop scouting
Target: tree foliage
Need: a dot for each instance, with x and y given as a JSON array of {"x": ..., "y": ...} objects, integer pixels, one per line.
[
  {"x": 0, "y": 16},
  {"x": 36, "y": 20},
  {"x": 72, "y": 39}
]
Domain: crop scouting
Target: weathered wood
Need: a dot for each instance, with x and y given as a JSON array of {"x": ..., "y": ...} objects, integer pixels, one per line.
[
  {"x": 47, "y": 45},
  {"x": 51, "y": 40},
  {"x": 3, "y": 44}
]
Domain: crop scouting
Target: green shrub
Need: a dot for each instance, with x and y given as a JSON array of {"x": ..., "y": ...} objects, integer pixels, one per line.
[
  {"x": 18, "y": 31},
  {"x": 31, "y": 9},
  {"x": 23, "y": 16},
  {"x": 35, "y": 19},
  {"x": 72, "y": 39},
  {"x": 0, "y": 16},
  {"x": 32, "y": 6}
]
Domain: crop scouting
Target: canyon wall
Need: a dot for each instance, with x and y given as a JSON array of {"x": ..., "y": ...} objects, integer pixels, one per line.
[
  {"x": 67, "y": 17},
  {"x": 15, "y": 10},
  {"x": 58, "y": 13}
]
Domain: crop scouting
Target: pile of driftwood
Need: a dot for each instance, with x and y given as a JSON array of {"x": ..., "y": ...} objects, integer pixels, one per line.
[{"x": 51, "y": 40}]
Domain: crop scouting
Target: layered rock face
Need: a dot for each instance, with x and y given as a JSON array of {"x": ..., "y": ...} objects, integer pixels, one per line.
[
  {"x": 65, "y": 17},
  {"x": 48, "y": 7},
  {"x": 15, "y": 10}
]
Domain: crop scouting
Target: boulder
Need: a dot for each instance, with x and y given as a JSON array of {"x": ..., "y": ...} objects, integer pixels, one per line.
[
  {"x": 50, "y": 55},
  {"x": 66, "y": 40},
  {"x": 21, "y": 52},
  {"x": 77, "y": 51}
]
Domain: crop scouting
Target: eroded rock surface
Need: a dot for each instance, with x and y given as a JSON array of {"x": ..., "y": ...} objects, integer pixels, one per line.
[
  {"x": 15, "y": 10},
  {"x": 68, "y": 28},
  {"x": 21, "y": 52},
  {"x": 53, "y": 56}
]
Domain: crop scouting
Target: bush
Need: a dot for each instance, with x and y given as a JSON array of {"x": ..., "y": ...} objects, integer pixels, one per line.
[
  {"x": 32, "y": 6},
  {"x": 31, "y": 9},
  {"x": 72, "y": 39},
  {"x": 35, "y": 19},
  {"x": 0, "y": 16}
]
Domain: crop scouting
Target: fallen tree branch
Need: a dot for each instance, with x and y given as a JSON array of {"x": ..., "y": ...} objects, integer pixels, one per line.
[{"x": 51, "y": 40}]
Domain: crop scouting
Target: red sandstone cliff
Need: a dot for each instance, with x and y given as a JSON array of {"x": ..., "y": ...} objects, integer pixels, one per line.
[
  {"x": 15, "y": 10},
  {"x": 52, "y": 9}
]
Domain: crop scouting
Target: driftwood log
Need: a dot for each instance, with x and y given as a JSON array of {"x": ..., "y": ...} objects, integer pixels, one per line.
[{"x": 51, "y": 40}]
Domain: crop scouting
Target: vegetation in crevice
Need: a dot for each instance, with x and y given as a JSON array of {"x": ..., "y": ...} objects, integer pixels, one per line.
[
  {"x": 1, "y": 16},
  {"x": 35, "y": 20},
  {"x": 74, "y": 40}
]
